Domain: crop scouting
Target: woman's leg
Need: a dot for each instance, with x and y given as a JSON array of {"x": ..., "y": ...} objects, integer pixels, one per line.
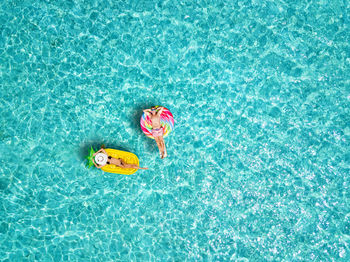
[
  {"x": 126, "y": 165},
  {"x": 134, "y": 166}
]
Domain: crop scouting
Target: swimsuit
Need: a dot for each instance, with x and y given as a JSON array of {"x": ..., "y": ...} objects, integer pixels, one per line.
[
  {"x": 157, "y": 132},
  {"x": 121, "y": 163}
]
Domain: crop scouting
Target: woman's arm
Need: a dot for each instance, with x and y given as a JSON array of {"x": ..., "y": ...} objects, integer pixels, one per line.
[
  {"x": 97, "y": 152},
  {"x": 104, "y": 151},
  {"x": 96, "y": 164}
]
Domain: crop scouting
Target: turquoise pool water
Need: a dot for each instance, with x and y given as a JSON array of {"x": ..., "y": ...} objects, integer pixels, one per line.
[{"x": 258, "y": 166}]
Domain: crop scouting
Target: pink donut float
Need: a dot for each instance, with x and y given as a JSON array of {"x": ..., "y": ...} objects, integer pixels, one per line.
[{"x": 166, "y": 122}]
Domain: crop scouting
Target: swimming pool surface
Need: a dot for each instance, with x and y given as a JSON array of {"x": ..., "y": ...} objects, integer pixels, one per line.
[{"x": 258, "y": 166}]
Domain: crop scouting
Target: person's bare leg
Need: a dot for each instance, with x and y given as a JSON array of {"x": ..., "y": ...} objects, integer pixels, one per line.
[
  {"x": 161, "y": 147},
  {"x": 164, "y": 148},
  {"x": 159, "y": 144},
  {"x": 134, "y": 166},
  {"x": 125, "y": 165}
]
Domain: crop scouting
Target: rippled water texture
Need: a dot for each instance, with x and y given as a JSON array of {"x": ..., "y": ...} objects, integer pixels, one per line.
[{"x": 258, "y": 166}]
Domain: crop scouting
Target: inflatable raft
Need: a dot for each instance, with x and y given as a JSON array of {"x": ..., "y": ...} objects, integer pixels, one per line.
[
  {"x": 128, "y": 157},
  {"x": 166, "y": 123}
]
